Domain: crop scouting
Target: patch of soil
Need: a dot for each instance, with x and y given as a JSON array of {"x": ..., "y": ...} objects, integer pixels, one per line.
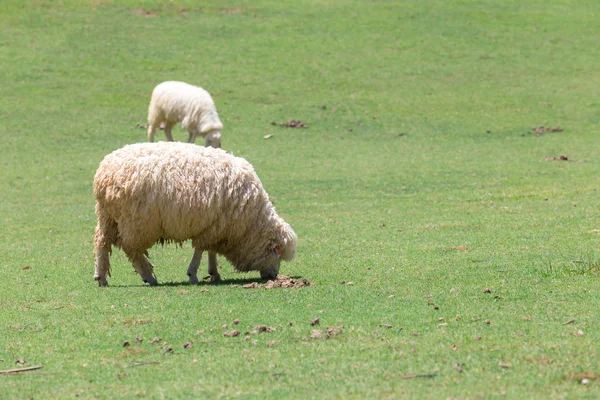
[
  {"x": 260, "y": 329},
  {"x": 145, "y": 126},
  {"x": 281, "y": 281},
  {"x": 144, "y": 12},
  {"x": 291, "y": 124},
  {"x": 132, "y": 352},
  {"x": 540, "y": 130},
  {"x": 578, "y": 376},
  {"x": 334, "y": 330},
  {"x": 286, "y": 282},
  {"x": 562, "y": 157}
]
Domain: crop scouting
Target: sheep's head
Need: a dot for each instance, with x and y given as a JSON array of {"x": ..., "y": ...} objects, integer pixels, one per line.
[
  {"x": 284, "y": 248},
  {"x": 213, "y": 139},
  {"x": 271, "y": 270}
]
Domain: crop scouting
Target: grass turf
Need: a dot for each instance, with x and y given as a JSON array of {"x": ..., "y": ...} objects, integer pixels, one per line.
[{"x": 418, "y": 180}]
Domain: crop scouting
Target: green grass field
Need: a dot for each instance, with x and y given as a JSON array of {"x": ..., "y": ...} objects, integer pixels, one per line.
[{"x": 419, "y": 180}]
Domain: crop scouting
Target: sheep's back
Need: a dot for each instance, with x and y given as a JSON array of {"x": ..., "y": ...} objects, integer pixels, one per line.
[
  {"x": 179, "y": 100},
  {"x": 181, "y": 189}
]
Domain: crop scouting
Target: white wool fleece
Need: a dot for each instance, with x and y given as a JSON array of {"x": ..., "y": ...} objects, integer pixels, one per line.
[
  {"x": 173, "y": 192},
  {"x": 173, "y": 102}
]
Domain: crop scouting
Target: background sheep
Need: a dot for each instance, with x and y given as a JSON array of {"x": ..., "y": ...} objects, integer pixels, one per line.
[
  {"x": 171, "y": 192},
  {"x": 174, "y": 102}
]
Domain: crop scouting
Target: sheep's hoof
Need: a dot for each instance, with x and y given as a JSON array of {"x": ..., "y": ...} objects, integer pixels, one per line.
[
  {"x": 102, "y": 282},
  {"x": 151, "y": 281}
]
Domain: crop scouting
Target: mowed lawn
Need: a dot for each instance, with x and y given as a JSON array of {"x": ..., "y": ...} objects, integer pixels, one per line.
[{"x": 445, "y": 195}]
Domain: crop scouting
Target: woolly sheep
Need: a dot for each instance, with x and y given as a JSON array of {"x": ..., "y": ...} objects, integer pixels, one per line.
[
  {"x": 149, "y": 193},
  {"x": 174, "y": 102}
]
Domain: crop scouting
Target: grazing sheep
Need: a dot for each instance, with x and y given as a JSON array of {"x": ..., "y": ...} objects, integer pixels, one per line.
[
  {"x": 174, "y": 102},
  {"x": 171, "y": 192}
]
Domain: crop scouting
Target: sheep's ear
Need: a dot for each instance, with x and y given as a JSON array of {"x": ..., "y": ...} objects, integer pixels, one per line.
[
  {"x": 277, "y": 251},
  {"x": 286, "y": 246}
]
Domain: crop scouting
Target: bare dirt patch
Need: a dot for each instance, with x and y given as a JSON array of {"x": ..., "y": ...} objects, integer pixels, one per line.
[
  {"x": 136, "y": 321},
  {"x": 334, "y": 330},
  {"x": 579, "y": 376},
  {"x": 291, "y": 124},
  {"x": 562, "y": 157},
  {"x": 143, "y": 12},
  {"x": 145, "y": 126},
  {"x": 282, "y": 281},
  {"x": 540, "y": 130},
  {"x": 260, "y": 329}
]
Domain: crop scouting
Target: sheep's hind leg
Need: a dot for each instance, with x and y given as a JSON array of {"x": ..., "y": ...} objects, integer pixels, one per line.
[
  {"x": 194, "y": 264},
  {"x": 143, "y": 267},
  {"x": 102, "y": 266},
  {"x": 103, "y": 237},
  {"x": 212, "y": 267}
]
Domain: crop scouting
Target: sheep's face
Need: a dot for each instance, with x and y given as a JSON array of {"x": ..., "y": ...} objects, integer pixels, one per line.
[
  {"x": 273, "y": 260},
  {"x": 213, "y": 139},
  {"x": 271, "y": 270}
]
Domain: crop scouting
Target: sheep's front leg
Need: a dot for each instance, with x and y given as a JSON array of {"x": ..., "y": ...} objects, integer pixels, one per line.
[
  {"x": 143, "y": 267},
  {"x": 151, "y": 128},
  {"x": 168, "y": 127},
  {"x": 194, "y": 264},
  {"x": 212, "y": 267}
]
